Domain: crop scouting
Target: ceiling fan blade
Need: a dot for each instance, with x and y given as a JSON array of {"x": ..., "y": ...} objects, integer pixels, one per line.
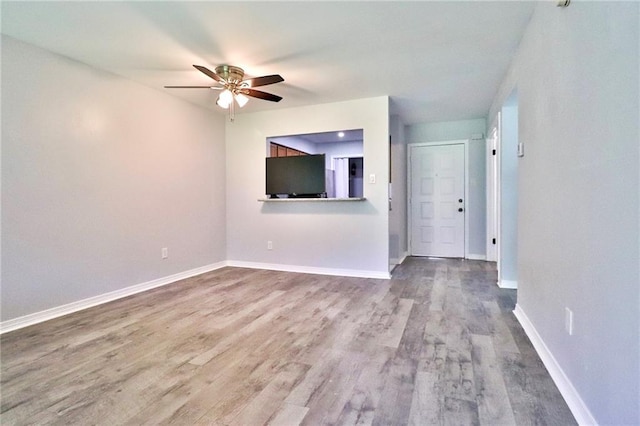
[
  {"x": 192, "y": 87},
  {"x": 209, "y": 73},
  {"x": 262, "y": 95},
  {"x": 263, "y": 81}
]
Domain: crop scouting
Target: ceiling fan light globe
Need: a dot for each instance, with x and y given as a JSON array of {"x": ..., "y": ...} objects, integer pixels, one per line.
[
  {"x": 226, "y": 96},
  {"x": 225, "y": 99},
  {"x": 241, "y": 99},
  {"x": 221, "y": 103}
]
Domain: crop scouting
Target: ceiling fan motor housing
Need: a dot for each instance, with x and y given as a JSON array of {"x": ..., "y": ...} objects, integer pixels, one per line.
[{"x": 230, "y": 73}]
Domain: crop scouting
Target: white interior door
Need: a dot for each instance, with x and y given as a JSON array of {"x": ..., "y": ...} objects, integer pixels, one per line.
[
  {"x": 341, "y": 167},
  {"x": 437, "y": 200}
]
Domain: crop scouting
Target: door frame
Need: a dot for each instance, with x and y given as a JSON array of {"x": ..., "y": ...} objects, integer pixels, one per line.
[
  {"x": 335, "y": 157},
  {"x": 465, "y": 143},
  {"x": 493, "y": 191}
]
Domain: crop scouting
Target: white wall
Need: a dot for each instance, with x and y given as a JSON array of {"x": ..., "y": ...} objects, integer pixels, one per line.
[
  {"x": 576, "y": 72},
  {"x": 398, "y": 246},
  {"x": 98, "y": 174},
  {"x": 476, "y": 204},
  {"x": 349, "y": 236}
]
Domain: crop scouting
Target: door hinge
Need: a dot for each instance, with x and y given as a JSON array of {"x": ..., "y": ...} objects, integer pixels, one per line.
[
  {"x": 493, "y": 241},
  {"x": 493, "y": 152}
]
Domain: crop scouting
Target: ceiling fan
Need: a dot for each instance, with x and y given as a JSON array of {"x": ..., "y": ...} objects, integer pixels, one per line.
[{"x": 229, "y": 79}]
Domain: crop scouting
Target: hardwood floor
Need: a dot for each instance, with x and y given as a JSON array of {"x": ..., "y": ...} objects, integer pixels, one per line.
[{"x": 437, "y": 344}]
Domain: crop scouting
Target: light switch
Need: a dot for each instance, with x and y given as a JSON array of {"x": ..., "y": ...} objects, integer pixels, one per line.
[
  {"x": 372, "y": 178},
  {"x": 520, "y": 149}
]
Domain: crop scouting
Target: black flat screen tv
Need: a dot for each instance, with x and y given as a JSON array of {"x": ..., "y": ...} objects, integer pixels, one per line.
[{"x": 299, "y": 176}]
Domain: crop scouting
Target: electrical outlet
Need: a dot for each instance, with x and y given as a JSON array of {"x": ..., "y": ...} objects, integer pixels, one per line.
[
  {"x": 165, "y": 252},
  {"x": 568, "y": 321},
  {"x": 269, "y": 245}
]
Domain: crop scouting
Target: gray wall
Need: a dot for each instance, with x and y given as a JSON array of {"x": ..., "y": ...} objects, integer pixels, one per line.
[
  {"x": 445, "y": 130},
  {"x": 476, "y": 204},
  {"x": 98, "y": 174},
  {"x": 509, "y": 192},
  {"x": 576, "y": 72},
  {"x": 340, "y": 149},
  {"x": 341, "y": 237},
  {"x": 398, "y": 214}
]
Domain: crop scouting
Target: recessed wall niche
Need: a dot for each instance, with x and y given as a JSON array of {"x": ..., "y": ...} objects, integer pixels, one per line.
[{"x": 344, "y": 160}]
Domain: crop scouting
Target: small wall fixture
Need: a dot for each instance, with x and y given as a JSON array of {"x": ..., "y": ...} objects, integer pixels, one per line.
[{"x": 563, "y": 3}]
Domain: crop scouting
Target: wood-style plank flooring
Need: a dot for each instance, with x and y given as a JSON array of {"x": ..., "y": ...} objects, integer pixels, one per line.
[{"x": 435, "y": 345}]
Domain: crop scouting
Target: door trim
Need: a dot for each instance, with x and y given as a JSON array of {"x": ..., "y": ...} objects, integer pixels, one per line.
[
  {"x": 465, "y": 143},
  {"x": 345, "y": 157},
  {"x": 493, "y": 192}
]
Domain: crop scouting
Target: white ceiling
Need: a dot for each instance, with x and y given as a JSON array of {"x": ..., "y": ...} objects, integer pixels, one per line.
[{"x": 438, "y": 61}]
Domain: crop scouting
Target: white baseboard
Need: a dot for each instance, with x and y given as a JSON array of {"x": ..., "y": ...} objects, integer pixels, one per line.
[
  {"x": 476, "y": 257},
  {"x": 399, "y": 261},
  {"x": 311, "y": 269},
  {"x": 513, "y": 285},
  {"x": 577, "y": 406},
  {"x": 58, "y": 311}
]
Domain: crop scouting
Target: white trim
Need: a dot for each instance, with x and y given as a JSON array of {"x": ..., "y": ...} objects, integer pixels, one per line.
[
  {"x": 394, "y": 262},
  {"x": 492, "y": 194},
  {"x": 310, "y": 269},
  {"x": 577, "y": 406},
  {"x": 498, "y": 196},
  {"x": 476, "y": 257},
  {"x": 466, "y": 198},
  {"x": 58, "y": 311},
  {"x": 508, "y": 284}
]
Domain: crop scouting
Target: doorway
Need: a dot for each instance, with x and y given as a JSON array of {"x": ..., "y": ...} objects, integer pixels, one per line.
[
  {"x": 348, "y": 177},
  {"x": 502, "y": 193},
  {"x": 437, "y": 185}
]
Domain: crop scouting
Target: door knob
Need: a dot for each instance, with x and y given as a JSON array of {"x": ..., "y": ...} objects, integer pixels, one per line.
[
  {"x": 459, "y": 200},
  {"x": 460, "y": 209}
]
